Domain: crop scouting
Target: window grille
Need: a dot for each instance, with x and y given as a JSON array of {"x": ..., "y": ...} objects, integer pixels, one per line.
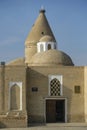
[{"x": 55, "y": 87}]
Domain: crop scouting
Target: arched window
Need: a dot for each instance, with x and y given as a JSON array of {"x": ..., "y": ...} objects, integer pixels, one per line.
[
  {"x": 15, "y": 97},
  {"x": 49, "y": 46},
  {"x": 41, "y": 48},
  {"x": 55, "y": 87}
]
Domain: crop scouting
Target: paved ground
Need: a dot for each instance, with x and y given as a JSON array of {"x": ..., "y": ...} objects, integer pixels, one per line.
[{"x": 65, "y": 126}]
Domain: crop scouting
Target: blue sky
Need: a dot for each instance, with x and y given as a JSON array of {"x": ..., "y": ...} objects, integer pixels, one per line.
[{"x": 67, "y": 18}]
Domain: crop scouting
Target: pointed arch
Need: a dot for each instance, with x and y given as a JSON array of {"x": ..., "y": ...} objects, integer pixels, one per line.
[
  {"x": 15, "y": 97},
  {"x": 55, "y": 87}
]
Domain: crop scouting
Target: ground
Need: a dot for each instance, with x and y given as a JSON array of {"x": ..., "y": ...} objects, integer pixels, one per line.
[{"x": 60, "y": 126}]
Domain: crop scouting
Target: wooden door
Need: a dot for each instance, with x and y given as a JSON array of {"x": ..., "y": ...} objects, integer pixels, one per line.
[{"x": 50, "y": 111}]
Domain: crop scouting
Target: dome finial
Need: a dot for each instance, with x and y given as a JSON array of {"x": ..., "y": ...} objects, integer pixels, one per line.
[{"x": 42, "y": 10}]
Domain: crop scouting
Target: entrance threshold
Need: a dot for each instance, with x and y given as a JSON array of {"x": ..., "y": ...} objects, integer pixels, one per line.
[{"x": 67, "y": 124}]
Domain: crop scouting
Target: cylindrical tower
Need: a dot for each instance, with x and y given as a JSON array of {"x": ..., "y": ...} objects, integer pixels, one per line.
[{"x": 30, "y": 50}]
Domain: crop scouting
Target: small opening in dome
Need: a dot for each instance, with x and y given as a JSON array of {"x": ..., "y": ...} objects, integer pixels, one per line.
[{"x": 42, "y": 33}]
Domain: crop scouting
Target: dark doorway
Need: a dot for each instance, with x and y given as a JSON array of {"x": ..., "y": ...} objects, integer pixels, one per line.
[
  {"x": 60, "y": 111},
  {"x": 55, "y": 111}
]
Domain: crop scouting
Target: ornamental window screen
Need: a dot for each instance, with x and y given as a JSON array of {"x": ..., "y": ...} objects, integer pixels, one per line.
[{"x": 55, "y": 87}]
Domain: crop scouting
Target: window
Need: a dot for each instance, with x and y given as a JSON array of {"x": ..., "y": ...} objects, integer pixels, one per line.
[
  {"x": 49, "y": 46},
  {"x": 34, "y": 89},
  {"x": 55, "y": 87},
  {"x": 77, "y": 89}
]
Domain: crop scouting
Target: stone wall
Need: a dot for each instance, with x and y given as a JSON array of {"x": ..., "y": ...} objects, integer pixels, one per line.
[
  {"x": 13, "y": 76},
  {"x": 38, "y": 78},
  {"x": 35, "y": 91}
]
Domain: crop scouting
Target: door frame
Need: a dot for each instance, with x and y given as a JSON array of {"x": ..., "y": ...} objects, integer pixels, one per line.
[{"x": 56, "y": 98}]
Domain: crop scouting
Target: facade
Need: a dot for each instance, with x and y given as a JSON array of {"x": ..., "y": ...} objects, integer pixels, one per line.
[{"x": 43, "y": 87}]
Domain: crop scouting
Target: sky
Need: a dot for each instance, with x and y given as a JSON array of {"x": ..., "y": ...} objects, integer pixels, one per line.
[{"x": 67, "y": 18}]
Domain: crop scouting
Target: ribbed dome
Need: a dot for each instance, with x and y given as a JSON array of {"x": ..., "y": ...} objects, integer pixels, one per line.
[
  {"x": 47, "y": 38},
  {"x": 51, "y": 58}
]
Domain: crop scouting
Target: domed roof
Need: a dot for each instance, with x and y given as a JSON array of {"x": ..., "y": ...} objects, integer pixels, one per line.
[
  {"x": 47, "y": 38},
  {"x": 51, "y": 58},
  {"x": 18, "y": 61}
]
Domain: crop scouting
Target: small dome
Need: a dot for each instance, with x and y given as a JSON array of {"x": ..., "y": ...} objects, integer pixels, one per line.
[
  {"x": 51, "y": 58},
  {"x": 18, "y": 61},
  {"x": 47, "y": 38}
]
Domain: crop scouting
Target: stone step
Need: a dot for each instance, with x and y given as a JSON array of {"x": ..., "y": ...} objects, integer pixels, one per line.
[
  {"x": 67, "y": 124},
  {"x": 54, "y": 126}
]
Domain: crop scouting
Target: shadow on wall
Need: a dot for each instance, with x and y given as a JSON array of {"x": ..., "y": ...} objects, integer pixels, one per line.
[
  {"x": 39, "y": 79},
  {"x": 68, "y": 94},
  {"x": 37, "y": 88},
  {"x": 2, "y": 125}
]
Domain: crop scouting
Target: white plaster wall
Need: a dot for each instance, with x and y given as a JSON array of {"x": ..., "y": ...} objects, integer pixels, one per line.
[{"x": 45, "y": 46}]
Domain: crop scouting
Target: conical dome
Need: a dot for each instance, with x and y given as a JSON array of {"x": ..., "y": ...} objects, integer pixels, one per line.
[{"x": 39, "y": 29}]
